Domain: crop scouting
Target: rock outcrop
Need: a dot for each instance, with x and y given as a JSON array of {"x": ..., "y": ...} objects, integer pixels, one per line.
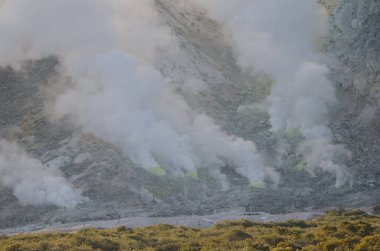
[{"x": 117, "y": 187}]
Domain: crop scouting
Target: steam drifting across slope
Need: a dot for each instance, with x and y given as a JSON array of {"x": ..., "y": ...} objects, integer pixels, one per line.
[
  {"x": 106, "y": 50},
  {"x": 31, "y": 182},
  {"x": 278, "y": 38}
]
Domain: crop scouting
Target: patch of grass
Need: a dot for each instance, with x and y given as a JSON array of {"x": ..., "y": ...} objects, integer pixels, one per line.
[{"x": 338, "y": 230}]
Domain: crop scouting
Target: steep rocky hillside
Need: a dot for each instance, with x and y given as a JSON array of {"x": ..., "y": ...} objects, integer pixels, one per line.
[{"x": 116, "y": 186}]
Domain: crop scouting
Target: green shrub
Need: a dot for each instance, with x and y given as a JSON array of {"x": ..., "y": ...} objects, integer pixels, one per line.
[
  {"x": 237, "y": 235},
  {"x": 369, "y": 243},
  {"x": 338, "y": 230}
]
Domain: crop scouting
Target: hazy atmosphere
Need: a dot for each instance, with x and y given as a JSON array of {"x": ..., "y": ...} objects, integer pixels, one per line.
[{"x": 111, "y": 109}]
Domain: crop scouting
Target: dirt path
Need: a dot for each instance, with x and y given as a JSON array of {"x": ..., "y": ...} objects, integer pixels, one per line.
[{"x": 189, "y": 221}]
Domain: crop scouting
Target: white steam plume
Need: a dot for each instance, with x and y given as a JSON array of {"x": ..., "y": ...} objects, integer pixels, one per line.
[
  {"x": 107, "y": 49},
  {"x": 278, "y": 37},
  {"x": 31, "y": 182}
]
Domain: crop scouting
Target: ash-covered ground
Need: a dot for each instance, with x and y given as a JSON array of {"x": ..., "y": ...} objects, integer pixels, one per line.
[{"x": 117, "y": 187}]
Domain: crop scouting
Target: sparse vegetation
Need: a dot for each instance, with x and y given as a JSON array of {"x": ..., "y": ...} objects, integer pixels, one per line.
[{"x": 338, "y": 230}]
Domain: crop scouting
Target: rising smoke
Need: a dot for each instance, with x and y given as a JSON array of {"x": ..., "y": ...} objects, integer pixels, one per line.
[
  {"x": 106, "y": 50},
  {"x": 279, "y": 38},
  {"x": 31, "y": 182}
]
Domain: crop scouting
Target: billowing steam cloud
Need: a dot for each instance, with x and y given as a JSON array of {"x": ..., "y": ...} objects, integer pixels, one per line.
[
  {"x": 106, "y": 49},
  {"x": 139, "y": 112},
  {"x": 31, "y": 182},
  {"x": 279, "y": 39}
]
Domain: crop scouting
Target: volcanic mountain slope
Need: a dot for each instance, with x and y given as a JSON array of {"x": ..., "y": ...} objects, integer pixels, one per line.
[{"x": 205, "y": 72}]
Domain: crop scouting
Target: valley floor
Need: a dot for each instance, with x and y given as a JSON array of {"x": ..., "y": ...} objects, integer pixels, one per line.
[
  {"x": 337, "y": 230},
  {"x": 141, "y": 221}
]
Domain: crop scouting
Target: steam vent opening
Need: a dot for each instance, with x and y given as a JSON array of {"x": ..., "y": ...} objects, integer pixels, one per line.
[{"x": 127, "y": 113}]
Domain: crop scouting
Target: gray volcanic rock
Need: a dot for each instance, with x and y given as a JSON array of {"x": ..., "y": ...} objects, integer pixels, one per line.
[
  {"x": 354, "y": 44},
  {"x": 117, "y": 187}
]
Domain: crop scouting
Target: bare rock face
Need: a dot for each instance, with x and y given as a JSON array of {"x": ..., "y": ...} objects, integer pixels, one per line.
[
  {"x": 330, "y": 5},
  {"x": 355, "y": 43},
  {"x": 354, "y": 47},
  {"x": 117, "y": 187}
]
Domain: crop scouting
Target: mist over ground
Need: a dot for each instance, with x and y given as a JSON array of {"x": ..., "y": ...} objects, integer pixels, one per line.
[
  {"x": 183, "y": 107},
  {"x": 281, "y": 39},
  {"x": 115, "y": 93}
]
